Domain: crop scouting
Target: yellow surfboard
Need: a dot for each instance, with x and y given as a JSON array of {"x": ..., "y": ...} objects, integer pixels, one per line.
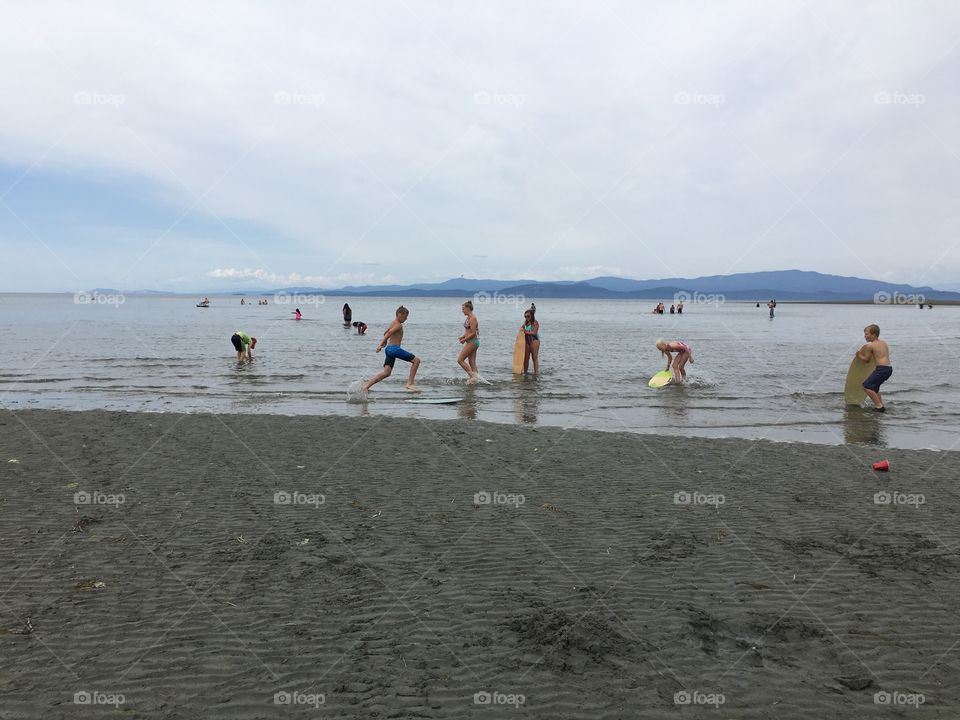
[
  {"x": 853, "y": 392},
  {"x": 519, "y": 349},
  {"x": 662, "y": 378}
]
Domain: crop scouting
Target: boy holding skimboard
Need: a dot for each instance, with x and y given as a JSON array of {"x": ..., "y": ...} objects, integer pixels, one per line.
[
  {"x": 392, "y": 339},
  {"x": 878, "y": 350}
]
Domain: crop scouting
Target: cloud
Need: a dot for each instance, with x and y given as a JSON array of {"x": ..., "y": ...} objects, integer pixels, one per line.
[
  {"x": 488, "y": 140},
  {"x": 262, "y": 276}
]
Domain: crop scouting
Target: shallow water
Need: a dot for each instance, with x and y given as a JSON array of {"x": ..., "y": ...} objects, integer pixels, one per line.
[{"x": 753, "y": 377}]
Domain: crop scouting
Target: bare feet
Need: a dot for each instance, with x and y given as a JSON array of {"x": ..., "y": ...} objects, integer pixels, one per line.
[
  {"x": 473, "y": 379},
  {"x": 412, "y": 388}
]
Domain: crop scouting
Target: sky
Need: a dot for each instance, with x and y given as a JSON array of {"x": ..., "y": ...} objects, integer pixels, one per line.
[{"x": 220, "y": 145}]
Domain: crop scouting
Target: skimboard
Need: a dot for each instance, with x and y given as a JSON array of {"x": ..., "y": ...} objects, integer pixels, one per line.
[
  {"x": 434, "y": 401},
  {"x": 519, "y": 350},
  {"x": 853, "y": 392},
  {"x": 662, "y": 378}
]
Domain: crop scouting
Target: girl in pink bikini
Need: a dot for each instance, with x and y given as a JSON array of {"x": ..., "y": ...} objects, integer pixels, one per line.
[{"x": 684, "y": 355}]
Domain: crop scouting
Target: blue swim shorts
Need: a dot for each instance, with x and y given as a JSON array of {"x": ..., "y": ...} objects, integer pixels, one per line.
[
  {"x": 879, "y": 376},
  {"x": 394, "y": 352}
]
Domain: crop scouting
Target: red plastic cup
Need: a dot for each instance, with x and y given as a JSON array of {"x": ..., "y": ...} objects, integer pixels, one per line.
[{"x": 882, "y": 465}]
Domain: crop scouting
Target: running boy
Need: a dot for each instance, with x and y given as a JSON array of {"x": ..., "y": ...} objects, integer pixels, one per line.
[
  {"x": 684, "y": 355},
  {"x": 392, "y": 339},
  {"x": 879, "y": 351}
]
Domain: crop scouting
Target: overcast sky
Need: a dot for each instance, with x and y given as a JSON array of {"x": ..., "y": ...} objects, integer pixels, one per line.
[{"x": 218, "y": 145}]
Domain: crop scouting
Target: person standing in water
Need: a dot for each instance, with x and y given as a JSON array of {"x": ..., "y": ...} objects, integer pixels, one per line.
[
  {"x": 531, "y": 336},
  {"x": 392, "y": 339},
  {"x": 879, "y": 351},
  {"x": 347, "y": 315},
  {"x": 772, "y": 305},
  {"x": 296, "y": 314},
  {"x": 244, "y": 345},
  {"x": 684, "y": 355},
  {"x": 471, "y": 343}
]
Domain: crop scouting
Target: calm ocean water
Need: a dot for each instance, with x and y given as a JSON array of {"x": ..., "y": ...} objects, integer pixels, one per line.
[{"x": 754, "y": 377}]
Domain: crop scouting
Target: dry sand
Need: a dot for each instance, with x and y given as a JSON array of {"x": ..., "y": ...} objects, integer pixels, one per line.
[{"x": 398, "y": 595}]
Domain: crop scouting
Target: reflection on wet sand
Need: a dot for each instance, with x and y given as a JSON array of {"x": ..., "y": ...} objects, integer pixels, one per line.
[
  {"x": 675, "y": 407},
  {"x": 467, "y": 408},
  {"x": 862, "y": 426},
  {"x": 526, "y": 402}
]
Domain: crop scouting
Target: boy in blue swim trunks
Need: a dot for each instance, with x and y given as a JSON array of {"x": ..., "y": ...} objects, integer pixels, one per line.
[
  {"x": 392, "y": 339},
  {"x": 879, "y": 351}
]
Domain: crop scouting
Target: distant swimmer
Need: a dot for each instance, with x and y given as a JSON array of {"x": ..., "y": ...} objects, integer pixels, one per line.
[
  {"x": 360, "y": 326},
  {"x": 297, "y": 315},
  {"x": 684, "y": 355},
  {"x": 347, "y": 315},
  {"x": 673, "y": 309},
  {"x": 391, "y": 344},
  {"x": 531, "y": 337},
  {"x": 658, "y": 310},
  {"x": 879, "y": 351},
  {"x": 242, "y": 301},
  {"x": 680, "y": 308},
  {"x": 467, "y": 359},
  {"x": 244, "y": 345},
  {"x": 773, "y": 306}
]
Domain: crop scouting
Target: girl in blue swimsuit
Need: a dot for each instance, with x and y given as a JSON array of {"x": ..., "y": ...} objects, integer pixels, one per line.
[{"x": 471, "y": 343}]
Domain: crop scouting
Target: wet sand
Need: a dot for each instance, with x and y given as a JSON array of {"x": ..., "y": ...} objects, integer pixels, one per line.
[{"x": 265, "y": 566}]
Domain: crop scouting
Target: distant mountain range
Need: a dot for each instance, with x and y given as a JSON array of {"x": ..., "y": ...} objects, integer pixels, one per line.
[
  {"x": 787, "y": 285},
  {"x": 797, "y": 285}
]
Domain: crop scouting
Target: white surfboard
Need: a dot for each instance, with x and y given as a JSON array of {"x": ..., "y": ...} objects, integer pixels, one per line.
[{"x": 434, "y": 401}]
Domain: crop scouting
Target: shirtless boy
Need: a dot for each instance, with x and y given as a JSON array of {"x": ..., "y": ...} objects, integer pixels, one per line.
[
  {"x": 392, "y": 339},
  {"x": 878, "y": 350}
]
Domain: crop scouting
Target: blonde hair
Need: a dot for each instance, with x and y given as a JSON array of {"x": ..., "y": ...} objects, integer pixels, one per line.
[
  {"x": 873, "y": 330},
  {"x": 468, "y": 305}
]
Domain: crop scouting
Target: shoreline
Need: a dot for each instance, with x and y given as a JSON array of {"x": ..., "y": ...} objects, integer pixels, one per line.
[{"x": 415, "y": 567}]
